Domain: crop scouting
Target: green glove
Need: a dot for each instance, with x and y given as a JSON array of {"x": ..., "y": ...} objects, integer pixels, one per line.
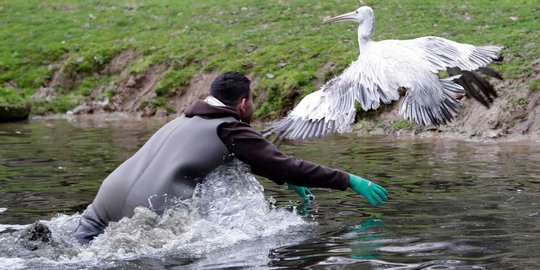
[
  {"x": 303, "y": 192},
  {"x": 371, "y": 191}
]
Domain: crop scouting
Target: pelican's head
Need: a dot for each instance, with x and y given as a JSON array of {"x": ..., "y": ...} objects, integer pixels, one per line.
[{"x": 360, "y": 15}]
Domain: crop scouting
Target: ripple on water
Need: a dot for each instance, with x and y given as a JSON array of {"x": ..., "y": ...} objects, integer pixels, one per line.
[{"x": 422, "y": 247}]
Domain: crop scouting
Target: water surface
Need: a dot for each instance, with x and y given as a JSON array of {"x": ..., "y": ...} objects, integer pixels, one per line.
[{"x": 453, "y": 205}]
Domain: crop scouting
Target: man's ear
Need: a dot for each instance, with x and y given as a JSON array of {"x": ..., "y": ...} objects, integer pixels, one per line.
[{"x": 242, "y": 105}]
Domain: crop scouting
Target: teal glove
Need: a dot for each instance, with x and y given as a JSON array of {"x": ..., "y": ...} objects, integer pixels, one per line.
[
  {"x": 303, "y": 192},
  {"x": 371, "y": 191}
]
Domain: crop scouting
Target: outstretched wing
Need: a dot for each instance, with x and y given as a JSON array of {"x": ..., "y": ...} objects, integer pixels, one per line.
[
  {"x": 430, "y": 100},
  {"x": 460, "y": 61},
  {"x": 465, "y": 60},
  {"x": 443, "y": 53},
  {"x": 332, "y": 108},
  {"x": 318, "y": 114}
]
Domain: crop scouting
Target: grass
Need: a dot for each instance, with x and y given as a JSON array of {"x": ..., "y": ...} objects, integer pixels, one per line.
[
  {"x": 282, "y": 43},
  {"x": 12, "y": 105},
  {"x": 534, "y": 85},
  {"x": 10, "y": 96},
  {"x": 402, "y": 124}
]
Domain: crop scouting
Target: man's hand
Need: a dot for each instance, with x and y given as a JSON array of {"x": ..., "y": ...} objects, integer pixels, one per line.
[
  {"x": 371, "y": 191},
  {"x": 303, "y": 192}
]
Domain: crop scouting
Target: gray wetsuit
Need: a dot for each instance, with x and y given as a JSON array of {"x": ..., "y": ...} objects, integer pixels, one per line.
[{"x": 170, "y": 164}]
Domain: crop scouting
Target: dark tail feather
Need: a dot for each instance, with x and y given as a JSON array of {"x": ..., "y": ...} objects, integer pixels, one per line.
[
  {"x": 486, "y": 87},
  {"x": 475, "y": 85},
  {"x": 490, "y": 72}
]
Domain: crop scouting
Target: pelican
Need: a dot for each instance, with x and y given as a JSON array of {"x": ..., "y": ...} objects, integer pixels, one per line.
[{"x": 387, "y": 70}]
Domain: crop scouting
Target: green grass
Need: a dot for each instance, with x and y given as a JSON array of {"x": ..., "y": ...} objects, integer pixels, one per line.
[
  {"x": 534, "y": 85},
  {"x": 282, "y": 38},
  {"x": 10, "y": 96},
  {"x": 402, "y": 124}
]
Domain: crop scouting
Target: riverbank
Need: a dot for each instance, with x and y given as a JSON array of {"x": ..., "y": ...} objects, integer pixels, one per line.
[
  {"x": 155, "y": 58},
  {"x": 385, "y": 126}
]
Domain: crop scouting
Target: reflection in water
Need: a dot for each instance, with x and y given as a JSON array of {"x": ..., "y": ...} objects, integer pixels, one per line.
[
  {"x": 452, "y": 205},
  {"x": 368, "y": 241}
]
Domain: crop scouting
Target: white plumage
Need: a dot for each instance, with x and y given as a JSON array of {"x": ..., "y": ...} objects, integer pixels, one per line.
[{"x": 382, "y": 70}]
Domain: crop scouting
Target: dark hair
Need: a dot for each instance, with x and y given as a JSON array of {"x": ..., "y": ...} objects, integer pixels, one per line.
[{"x": 230, "y": 87}]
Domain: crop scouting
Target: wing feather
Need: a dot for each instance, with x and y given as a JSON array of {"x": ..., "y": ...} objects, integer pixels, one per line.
[{"x": 444, "y": 53}]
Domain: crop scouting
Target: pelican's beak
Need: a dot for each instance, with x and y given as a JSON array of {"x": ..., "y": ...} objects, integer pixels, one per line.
[{"x": 347, "y": 17}]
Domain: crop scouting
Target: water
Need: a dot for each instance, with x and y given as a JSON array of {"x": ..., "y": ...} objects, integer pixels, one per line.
[{"x": 453, "y": 205}]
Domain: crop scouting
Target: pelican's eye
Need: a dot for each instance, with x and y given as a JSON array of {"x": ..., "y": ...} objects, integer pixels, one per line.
[{"x": 356, "y": 12}]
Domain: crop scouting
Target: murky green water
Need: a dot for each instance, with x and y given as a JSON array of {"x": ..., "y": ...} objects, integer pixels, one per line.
[{"x": 453, "y": 204}]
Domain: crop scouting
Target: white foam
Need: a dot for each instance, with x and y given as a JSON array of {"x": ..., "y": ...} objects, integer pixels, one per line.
[
  {"x": 2, "y": 209},
  {"x": 5, "y": 227},
  {"x": 228, "y": 209},
  {"x": 11, "y": 263}
]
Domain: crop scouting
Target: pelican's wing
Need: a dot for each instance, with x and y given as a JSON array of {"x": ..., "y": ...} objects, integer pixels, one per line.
[
  {"x": 414, "y": 65},
  {"x": 332, "y": 108},
  {"x": 318, "y": 114},
  {"x": 460, "y": 61},
  {"x": 442, "y": 53},
  {"x": 463, "y": 59}
]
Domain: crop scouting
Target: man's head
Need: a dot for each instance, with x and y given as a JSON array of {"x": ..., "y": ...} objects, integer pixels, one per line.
[{"x": 232, "y": 88}]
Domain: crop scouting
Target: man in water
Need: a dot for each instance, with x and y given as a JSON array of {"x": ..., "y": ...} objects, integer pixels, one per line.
[{"x": 210, "y": 133}]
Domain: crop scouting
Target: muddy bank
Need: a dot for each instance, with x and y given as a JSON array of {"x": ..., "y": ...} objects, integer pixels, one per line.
[
  {"x": 513, "y": 114},
  {"x": 123, "y": 90}
]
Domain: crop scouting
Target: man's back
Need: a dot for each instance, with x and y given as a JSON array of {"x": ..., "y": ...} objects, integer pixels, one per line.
[{"x": 169, "y": 165}]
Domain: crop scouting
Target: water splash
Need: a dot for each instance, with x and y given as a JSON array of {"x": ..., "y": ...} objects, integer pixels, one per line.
[{"x": 227, "y": 209}]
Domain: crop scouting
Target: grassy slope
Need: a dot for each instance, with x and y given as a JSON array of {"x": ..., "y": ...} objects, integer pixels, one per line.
[{"x": 283, "y": 38}]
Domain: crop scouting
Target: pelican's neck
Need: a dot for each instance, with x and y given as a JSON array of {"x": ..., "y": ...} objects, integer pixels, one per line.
[{"x": 365, "y": 31}]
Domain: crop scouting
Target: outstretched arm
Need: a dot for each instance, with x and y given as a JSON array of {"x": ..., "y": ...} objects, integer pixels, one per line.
[{"x": 266, "y": 160}]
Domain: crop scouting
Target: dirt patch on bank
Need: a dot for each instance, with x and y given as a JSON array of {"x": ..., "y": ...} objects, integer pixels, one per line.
[
  {"x": 59, "y": 79},
  {"x": 198, "y": 87},
  {"x": 323, "y": 74},
  {"x": 120, "y": 62},
  {"x": 99, "y": 99},
  {"x": 132, "y": 91}
]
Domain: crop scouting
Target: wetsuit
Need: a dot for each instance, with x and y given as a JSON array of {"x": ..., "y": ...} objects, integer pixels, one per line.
[{"x": 181, "y": 153}]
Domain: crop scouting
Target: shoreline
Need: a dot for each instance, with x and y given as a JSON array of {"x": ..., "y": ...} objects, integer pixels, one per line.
[{"x": 358, "y": 129}]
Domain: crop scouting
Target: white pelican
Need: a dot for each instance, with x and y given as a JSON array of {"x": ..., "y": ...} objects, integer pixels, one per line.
[{"x": 384, "y": 70}]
